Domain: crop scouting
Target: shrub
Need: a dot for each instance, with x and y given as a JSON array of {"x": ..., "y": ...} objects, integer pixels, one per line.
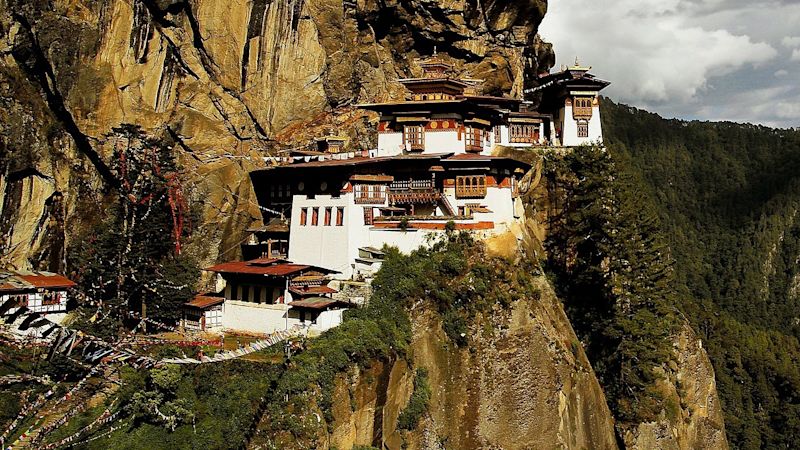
[{"x": 418, "y": 403}]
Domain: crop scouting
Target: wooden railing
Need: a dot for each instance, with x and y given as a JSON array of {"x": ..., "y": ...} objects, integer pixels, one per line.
[
  {"x": 408, "y": 185},
  {"x": 370, "y": 199},
  {"x": 582, "y": 111}
]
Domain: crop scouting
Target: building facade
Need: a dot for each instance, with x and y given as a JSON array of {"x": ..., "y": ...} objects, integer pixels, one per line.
[
  {"x": 266, "y": 295},
  {"x": 435, "y": 169},
  {"x": 41, "y": 292},
  {"x": 344, "y": 206}
]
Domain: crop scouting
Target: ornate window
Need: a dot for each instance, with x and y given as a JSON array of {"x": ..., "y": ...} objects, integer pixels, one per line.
[
  {"x": 303, "y": 216},
  {"x": 314, "y": 216},
  {"x": 414, "y": 137},
  {"x": 498, "y": 136},
  {"x": 366, "y": 193},
  {"x": 582, "y": 107},
  {"x": 19, "y": 301},
  {"x": 368, "y": 216},
  {"x": 583, "y": 129},
  {"x": 328, "y": 216},
  {"x": 474, "y": 138},
  {"x": 51, "y": 299},
  {"x": 472, "y": 186},
  {"x": 524, "y": 133}
]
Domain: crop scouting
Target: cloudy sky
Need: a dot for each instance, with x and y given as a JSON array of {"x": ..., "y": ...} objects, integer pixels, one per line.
[{"x": 733, "y": 60}]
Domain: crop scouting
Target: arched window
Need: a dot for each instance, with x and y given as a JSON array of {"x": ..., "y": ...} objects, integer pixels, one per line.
[
  {"x": 582, "y": 107},
  {"x": 473, "y": 186}
]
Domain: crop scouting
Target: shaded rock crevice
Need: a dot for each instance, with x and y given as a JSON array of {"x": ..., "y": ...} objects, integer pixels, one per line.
[{"x": 30, "y": 57}]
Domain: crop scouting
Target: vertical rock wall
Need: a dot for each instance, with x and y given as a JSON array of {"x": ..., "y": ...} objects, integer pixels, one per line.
[{"x": 227, "y": 81}]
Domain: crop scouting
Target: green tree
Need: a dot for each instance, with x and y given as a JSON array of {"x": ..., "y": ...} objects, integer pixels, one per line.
[
  {"x": 613, "y": 270},
  {"x": 132, "y": 261}
]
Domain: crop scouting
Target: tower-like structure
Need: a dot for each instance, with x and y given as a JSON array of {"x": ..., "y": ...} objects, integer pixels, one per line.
[
  {"x": 439, "y": 113},
  {"x": 572, "y": 97}
]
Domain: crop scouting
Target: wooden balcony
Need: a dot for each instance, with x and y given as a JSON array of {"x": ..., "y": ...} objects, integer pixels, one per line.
[
  {"x": 370, "y": 200},
  {"x": 410, "y": 185},
  {"x": 471, "y": 192},
  {"x": 582, "y": 112}
]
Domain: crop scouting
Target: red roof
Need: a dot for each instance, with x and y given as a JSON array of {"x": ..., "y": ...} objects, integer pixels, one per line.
[
  {"x": 244, "y": 267},
  {"x": 49, "y": 281},
  {"x": 312, "y": 290},
  {"x": 318, "y": 303},
  {"x": 204, "y": 301},
  {"x": 265, "y": 261},
  {"x": 14, "y": 281},
  {"x": 265, "y": 266}
]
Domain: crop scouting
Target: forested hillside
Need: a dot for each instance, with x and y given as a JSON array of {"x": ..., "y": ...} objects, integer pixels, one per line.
[{"x": 728, "y": 196}]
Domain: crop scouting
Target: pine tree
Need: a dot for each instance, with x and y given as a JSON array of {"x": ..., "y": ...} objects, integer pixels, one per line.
[
  {"x": 133, "y": 260},
  {"x": 614, "y": 272}
]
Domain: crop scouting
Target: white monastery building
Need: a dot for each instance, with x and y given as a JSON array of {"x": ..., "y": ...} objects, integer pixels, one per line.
[
  {"x": 39, "y": 292},
  {"x": 436, "y": 167}
]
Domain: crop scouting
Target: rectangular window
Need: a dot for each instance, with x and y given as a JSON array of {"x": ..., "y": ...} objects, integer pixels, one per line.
[
  {"x": 303, "y": 216},
  {"x": 314, "y": 216},
  {"x": 365, "y": 193},
  {"x": 582, "y": 108},
  {"x": 474, "y": 138},
  {"x": 524, "y": 134},
  {"x": 339, "y": 216},
  {"x": 471, "y": 186},
  {"x": 368, "y": 216},
  {"x": 328, "y": 213},
  {"x": 498, "y": 134},
  {"x": 583, "y": 129},
  {"x": 414, "y": 137}
]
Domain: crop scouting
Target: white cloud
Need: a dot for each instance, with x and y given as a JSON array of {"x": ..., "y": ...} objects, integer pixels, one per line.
[
  {"x": 796, "y": 54},
  {"x": 781, "y": 73},
  {"x": 774, "y": 106},
  {"x": 646, "y": 48},
  {"x": 791, "y": 41}
]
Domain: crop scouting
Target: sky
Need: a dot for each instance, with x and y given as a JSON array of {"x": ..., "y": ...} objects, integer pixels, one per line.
[{"x": 736, "y": 60}]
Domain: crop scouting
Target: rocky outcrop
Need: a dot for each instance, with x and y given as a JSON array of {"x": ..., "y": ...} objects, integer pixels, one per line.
[
  {"x": 695, "y": 420},
  {"x": 227, "y": 81},
  {"x": 522, "y": 382}
]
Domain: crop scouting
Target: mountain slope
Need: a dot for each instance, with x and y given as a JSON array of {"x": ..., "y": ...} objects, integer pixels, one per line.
[{"x": 728, "y": 197}]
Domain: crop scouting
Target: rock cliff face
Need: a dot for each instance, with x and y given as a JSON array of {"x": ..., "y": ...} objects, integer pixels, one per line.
[
  {"x": 523, "y": 382},
  {"x": 226, "y": 81},
  {"x": 697, "y": 420}
]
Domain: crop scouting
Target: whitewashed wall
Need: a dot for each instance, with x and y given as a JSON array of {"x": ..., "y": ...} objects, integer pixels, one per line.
[
  {"x": 253, "y": 317},
  {"x": 35, "y": 302},
  {"x": 570, "y": 133}
]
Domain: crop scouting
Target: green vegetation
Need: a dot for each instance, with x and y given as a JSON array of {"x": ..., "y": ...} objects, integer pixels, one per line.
[
  {"x": 454, "y": 277},
  {"x": 609, "y": 263},
  {"x": 418, "y": 403},
  {"x": 728, "y": 196},
  {"x": 132, "y": 259}
]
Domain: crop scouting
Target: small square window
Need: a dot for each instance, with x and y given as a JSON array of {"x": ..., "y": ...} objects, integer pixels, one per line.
[
  {"x": 583, "y": 129},
  {"x": 368, "y": 216}
]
